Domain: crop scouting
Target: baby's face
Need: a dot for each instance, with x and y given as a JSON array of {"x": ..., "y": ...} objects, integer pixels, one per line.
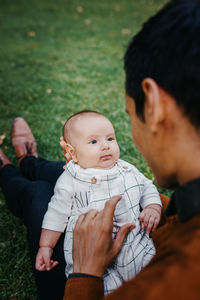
[{"x": 94, "y": 142}]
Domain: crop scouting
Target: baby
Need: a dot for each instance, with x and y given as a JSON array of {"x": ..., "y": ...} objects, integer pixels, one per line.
[{"x": 93, "y": 175}]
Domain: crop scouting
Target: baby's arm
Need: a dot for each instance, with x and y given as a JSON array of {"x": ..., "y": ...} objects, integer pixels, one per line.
[
  {"x": 54, "y": 222},
  {"x": 151, "y": 205},
  {"x": 150, "y": 217},
  {"x": 48, "y": 240}
]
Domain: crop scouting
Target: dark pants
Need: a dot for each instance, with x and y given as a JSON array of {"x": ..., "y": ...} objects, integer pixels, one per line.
[{"x": 27, "y": 192}]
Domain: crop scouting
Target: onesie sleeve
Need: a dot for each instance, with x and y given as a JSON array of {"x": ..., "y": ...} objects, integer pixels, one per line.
[
  {"x": 150, "y": 193},
  {"x": 60, "y": 205}
]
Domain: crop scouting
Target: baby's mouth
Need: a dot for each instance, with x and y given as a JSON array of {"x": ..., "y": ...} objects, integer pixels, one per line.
[{"x": 106, "y": 157}]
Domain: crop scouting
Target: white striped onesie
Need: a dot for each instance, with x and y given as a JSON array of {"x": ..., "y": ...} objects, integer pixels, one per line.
[{"x": 78, "y": 190}]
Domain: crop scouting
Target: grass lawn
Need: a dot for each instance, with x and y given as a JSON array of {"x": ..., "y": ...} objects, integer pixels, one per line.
[{"x": 59, "y": 57}]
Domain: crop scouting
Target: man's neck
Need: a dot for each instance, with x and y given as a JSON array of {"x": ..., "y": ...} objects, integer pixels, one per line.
[{"x": 187, "y": 155}]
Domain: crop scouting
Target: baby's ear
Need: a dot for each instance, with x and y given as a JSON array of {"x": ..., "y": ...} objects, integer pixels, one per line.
[
  {"x": 63, "y": 144},
  {"x": 68, "y": 150}
]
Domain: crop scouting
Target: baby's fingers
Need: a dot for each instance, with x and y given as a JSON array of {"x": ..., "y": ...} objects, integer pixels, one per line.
[
  {"x": 150, "y": 224},
  {"x": 53, "y": 264},
  {"x": 141, "y": 219},
  {"x": 41, "y": 268},
  {"x": 156, "y": 221},
  {"x": 39, "y": 264}
]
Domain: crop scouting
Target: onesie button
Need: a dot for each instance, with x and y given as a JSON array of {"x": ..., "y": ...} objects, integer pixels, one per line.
[
  {"x": 125, "y": 167},
  {"x": 94, "y": 180}
]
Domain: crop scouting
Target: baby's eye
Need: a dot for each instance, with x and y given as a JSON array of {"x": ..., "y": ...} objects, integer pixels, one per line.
[
  {"x": 110, "y": 139},
  {"x": 93, "y": 142}
]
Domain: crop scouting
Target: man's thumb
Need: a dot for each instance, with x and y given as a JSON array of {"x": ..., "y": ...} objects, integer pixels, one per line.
[{"x": 120, "y": 237}]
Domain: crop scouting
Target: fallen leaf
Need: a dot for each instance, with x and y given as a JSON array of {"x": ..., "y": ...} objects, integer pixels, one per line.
[
  {"x": 5, "y": 147},
  {"x": 49, "y": 91},
  {"x": 126, "y": 31},
  {"x": 34, "y": 45},
  {"x": 79, "y": 9},
  {"x": 2, "y": 137},
  {"x": 87, "y": 21},
  {"x": 117, "y": 7},
  {"x": 31, "y": 33},
  {"x": 111, "y": 33}
]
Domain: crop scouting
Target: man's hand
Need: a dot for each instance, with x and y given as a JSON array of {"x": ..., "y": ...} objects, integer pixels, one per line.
[
  {"x": 93, "y": 246},
  {"x": 43, "y": 259},
  {"x": 150, "y": 217}
]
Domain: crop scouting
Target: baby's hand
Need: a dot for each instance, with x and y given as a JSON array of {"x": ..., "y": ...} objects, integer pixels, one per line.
[
  {"x": 150, "y": 217},
  {"x": 43, "y": 259}
]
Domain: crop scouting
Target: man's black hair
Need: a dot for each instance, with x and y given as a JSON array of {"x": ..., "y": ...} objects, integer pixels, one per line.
[{"x": 167, "y": 49}]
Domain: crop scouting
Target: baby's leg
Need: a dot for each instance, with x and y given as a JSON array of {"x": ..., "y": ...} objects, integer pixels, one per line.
[
  {"x": 150, "y": 252},
  {"x": 68, "y": 244},
  {"x": 112, "y": 280},
  {"x": 136, "y": 253}
]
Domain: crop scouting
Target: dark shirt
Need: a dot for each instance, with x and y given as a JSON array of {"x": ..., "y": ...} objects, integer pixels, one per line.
[{"x": 185, "y": 201}]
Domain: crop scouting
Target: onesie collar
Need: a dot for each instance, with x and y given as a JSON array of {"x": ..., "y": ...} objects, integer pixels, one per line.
[{"x": 96, "y": 176}]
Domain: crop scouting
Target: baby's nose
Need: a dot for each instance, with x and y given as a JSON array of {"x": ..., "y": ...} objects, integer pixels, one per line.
[{"x": 104, "y": 145}]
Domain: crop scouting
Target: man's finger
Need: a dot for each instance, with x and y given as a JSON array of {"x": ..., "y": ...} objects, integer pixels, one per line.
[
  {"x": 90, "y": 215},
  {"x": 109, "y": 209},
  {"x": 121, "y": 235},
  {"x": 79, "y": 221}
]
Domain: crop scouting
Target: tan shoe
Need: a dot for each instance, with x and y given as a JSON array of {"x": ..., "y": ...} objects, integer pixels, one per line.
[
  {"x": 4, "y": 160},
  {"x": 23, "y": 140}
]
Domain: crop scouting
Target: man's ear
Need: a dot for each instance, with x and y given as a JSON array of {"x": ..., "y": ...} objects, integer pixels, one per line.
[
  {"x": 68, "y": 150},
  {"x": 154, "y": 111}
]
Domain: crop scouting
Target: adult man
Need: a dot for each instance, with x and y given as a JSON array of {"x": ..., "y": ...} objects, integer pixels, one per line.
[{"x": 162, "y": 85}]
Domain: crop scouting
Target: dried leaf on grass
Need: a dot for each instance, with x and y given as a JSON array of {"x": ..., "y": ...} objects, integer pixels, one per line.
[
  {"x": 31, "y": 33},
  {"x": 126, "y": 31},
  {"x": 87, "y": 21},
  {"x": 79, "y": 9},
  {"x": 117, "y": 7}
]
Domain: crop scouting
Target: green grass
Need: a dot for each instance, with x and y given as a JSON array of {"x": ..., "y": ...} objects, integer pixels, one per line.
[{"x": 56, "y": 60}]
